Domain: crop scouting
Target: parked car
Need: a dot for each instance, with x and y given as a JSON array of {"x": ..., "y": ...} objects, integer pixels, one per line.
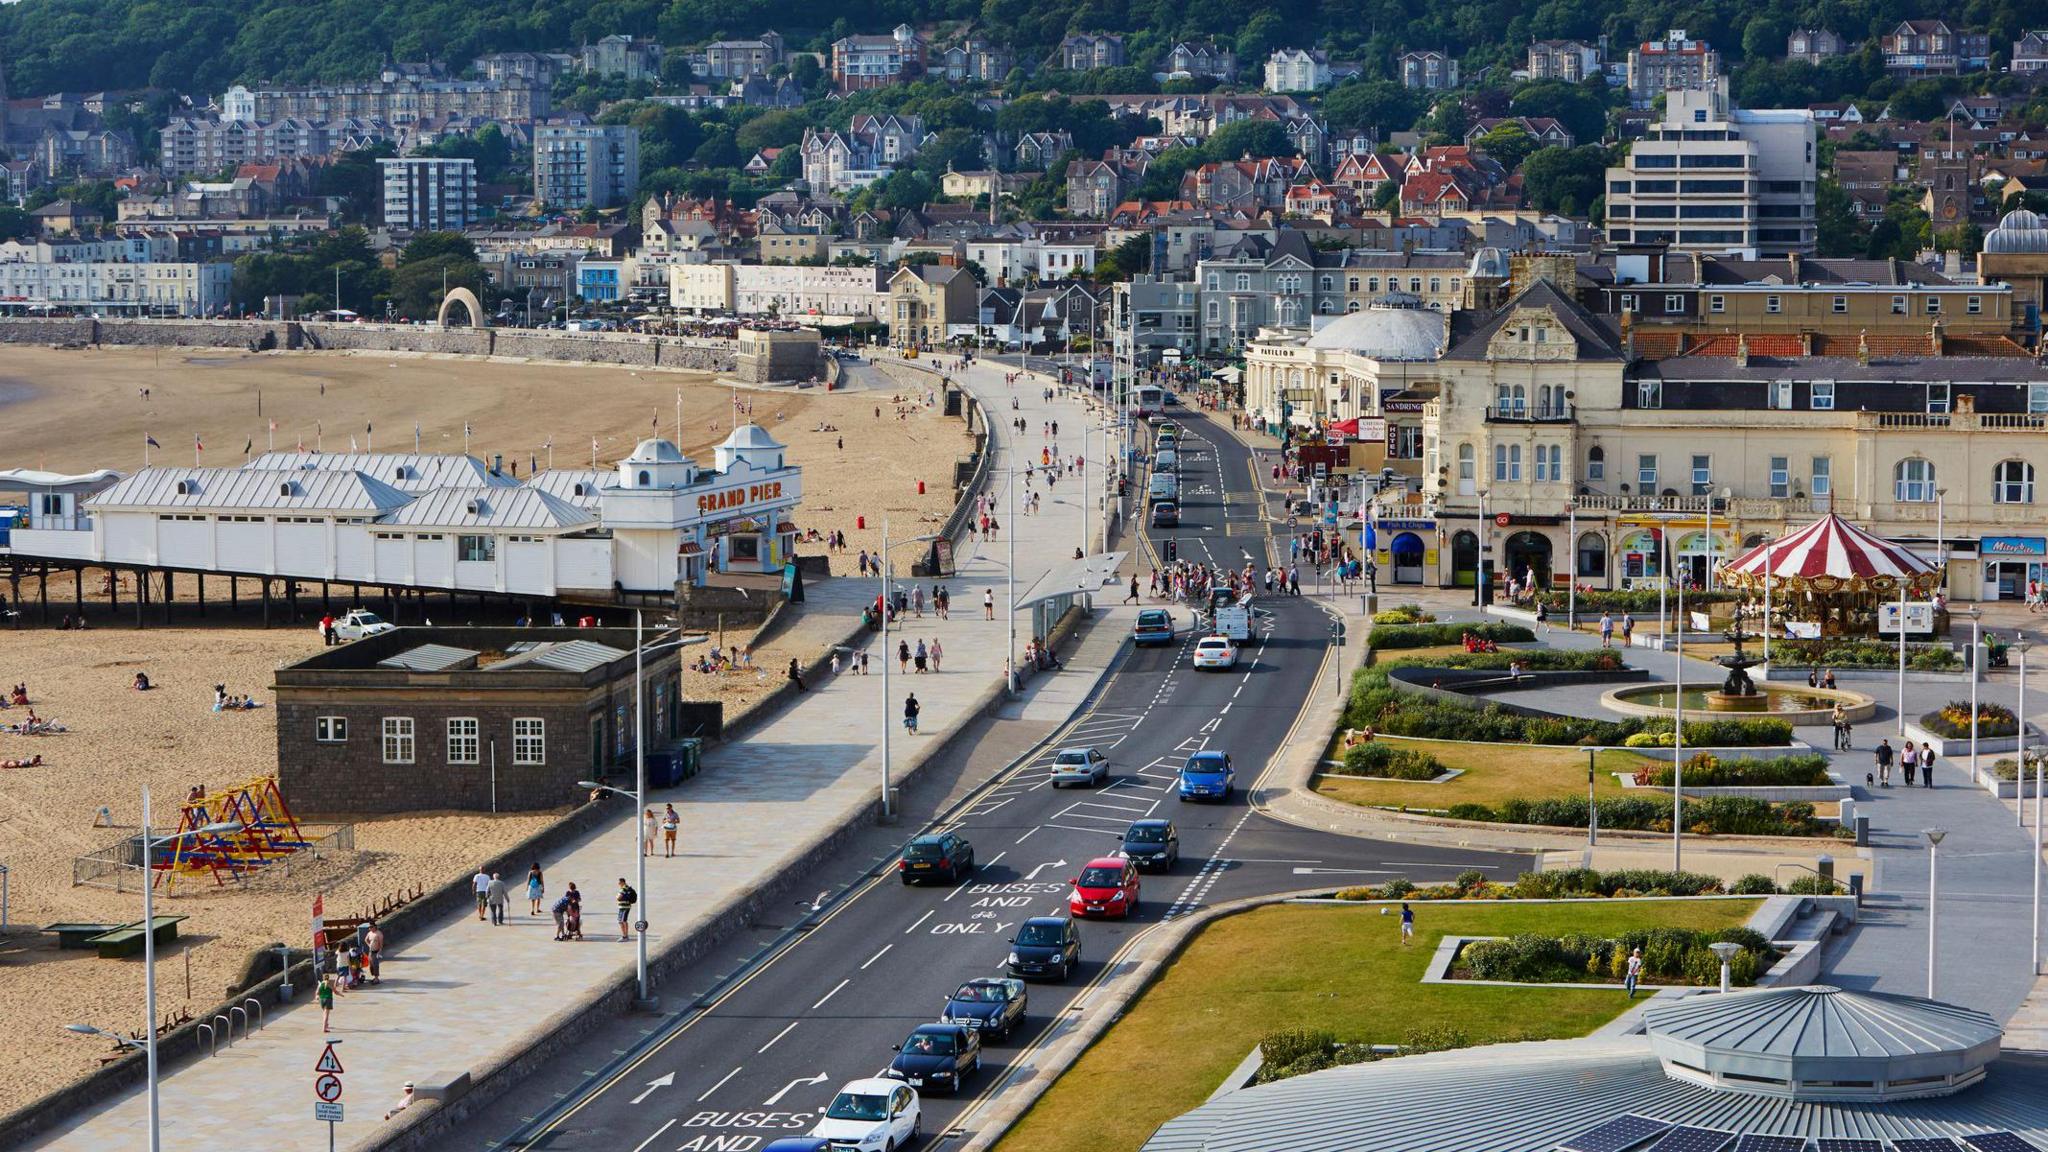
[
  {"x": 871, "y": 1115},
  {"x": 1215, "y": 652},
  {"x": 937, "y": 1056},
  {"x": 992, "y": 1004},
  {"x": 1206, "y": 776},
  {"x": 1079, "y": 766},
  {"x": 1166, "y": 514},
  {"x": 1108, "y": 886},
  {"x": 941, "y": 855},
  {"x": 1152, "y": 844},
  {"x": 360, "y": 623},
  {"x": 1154, "y": 626},
  {"x": 1048, "y": 946}
]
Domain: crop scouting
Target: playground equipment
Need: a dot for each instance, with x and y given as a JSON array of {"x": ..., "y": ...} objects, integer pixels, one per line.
[{"x": 260, "y": 830}]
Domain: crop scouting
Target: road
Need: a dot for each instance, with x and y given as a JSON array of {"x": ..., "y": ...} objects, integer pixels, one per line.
[{"x": 762, "y": 1057}]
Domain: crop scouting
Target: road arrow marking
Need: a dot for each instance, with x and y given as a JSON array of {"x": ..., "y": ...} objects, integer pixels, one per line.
[
  {"x": 1042, "y": 867},
  {"x": 1342, "y": 871},
  {"x": 667, "y": 1081},
  {"x": 772, "y": 1101}
]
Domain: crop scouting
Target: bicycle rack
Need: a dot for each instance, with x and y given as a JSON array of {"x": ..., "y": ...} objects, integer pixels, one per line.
[
  {"x": 255, "y": 1006},
  {"x": 235, "y": 1012},
  {"x": 227, "y": 1028},
  {"x": 209, "y": 1039}
]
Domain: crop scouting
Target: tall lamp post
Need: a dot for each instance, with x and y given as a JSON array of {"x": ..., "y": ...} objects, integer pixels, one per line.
[
  {"x": 2034, "y": 939},
  {"x": 1976, "y": 673},
  {"x": 1479, "y": 589},
  {"x": 2020, "y": 644},
  {"x": 1678, "y": 741},
  {"x": 1768, "y": 626},
  {"x": 1571, "y": 562},
  {"x": 1934, "y": 836},
  {"x": 1902, "y": 658},
  {"x": 888, "y": 576}
]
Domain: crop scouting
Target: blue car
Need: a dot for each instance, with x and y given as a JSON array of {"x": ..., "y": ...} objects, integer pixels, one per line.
[{"x": 1207, "y": 776}]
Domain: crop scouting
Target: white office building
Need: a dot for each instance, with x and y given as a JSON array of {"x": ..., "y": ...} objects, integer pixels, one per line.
[
  {"x": 1710, "y": 177},
  {"x": 424, "y": 194}
]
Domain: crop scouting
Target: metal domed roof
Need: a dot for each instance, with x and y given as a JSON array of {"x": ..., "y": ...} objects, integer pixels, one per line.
[
  {"x": 1489, "y": 263},
  {"x": 1819, "y": 1042},
  {"x": 656, "y": 451},
  {"x": 1384, "y": 334},
  {"x": 2018, "y": 231},
  {"x": 750, "y": 436}
]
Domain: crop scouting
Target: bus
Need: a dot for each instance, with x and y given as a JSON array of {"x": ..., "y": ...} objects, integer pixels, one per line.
[{"x": 1149, "y": 400}]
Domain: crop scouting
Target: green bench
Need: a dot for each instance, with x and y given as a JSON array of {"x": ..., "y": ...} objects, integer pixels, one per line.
[
  {"x": 114, "y": 941},
  {"x": 71, "y": 935}
]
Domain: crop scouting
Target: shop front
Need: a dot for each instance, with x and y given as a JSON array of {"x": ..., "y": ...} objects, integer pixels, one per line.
[
  {"x": 1647, "y": 550},
  {"x": 1406, "y": 549},
  {"x": 2009, "y": 562}
]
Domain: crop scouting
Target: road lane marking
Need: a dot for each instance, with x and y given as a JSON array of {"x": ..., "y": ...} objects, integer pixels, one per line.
[
  {"x": 831, "y": 994},
  {"x": 876, "y": 956},
  {"x": 794, "y": 1023},
  {"x": 1096, "y": 831},
  {"x": 1019, "y": 840},
  {"x": 669, "y": 1125},
  {"x": 921, "y": 919},
  {"x": 710, "y": 1090}
]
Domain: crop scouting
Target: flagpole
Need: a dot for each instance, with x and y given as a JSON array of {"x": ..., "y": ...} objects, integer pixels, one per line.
[
  {"x": 369, "y": 437},
  {"x": 679, "y": 417},
  {"x": 319, "y": 437}
]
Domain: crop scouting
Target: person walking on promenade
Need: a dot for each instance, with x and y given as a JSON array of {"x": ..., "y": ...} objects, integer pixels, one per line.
[
  {"x": 627, "y": 898},
  {"x": 988, "y": 604},
  {"x": 481, "y": 885},
  {"x": 1606, "y": 629},
  {"x": 496, "y": 896},
  {"x": 1633, "y": 972},
  {"x": 910, "y": 710},
  {"x": 1628, "y": 630},
  {"x": 938, "y": 654},
  {"x": 903, "y": 656},
  {"x": 1133, "y": 597},
  {"x": 922, "y": 655},
  {"x": 574, "y": 929},
  {"x": 373, "y": 946},
  {"x": 1927, "y": 765},
  {"x": 561, "y": 910},
  {"x": 324, "y": 993},
  {"x": 536, "y": 887},
  {"x": 796, "y": 677},
  {"x": 1840, "y": 719},
  {"x": 1884, "y": 763},
  {"x": 648, "y": 824},
  {"x": 1909, "y": 759},
  {"x": 671, "y": 823}
]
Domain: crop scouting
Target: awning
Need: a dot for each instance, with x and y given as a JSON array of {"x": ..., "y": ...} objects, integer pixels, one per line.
[
  {"x": 1228, "y": 375},
  {"x": 1088, "y": 574}
]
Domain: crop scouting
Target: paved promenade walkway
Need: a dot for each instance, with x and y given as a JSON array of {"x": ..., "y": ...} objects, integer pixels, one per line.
[{"x": 460, "y": 995}]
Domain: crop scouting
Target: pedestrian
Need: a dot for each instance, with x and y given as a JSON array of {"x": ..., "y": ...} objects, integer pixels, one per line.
[
  {"x": 863, "y": 663},
  {"x": 1883, "y": 755},
  {"x": 1909, "y": 760},
  {"x": 903, "y": 656},
  {"x": 647, "y": 826},
  {"x": 1407, "y": 923},
  {"x": 373, "y": 946},
  {"x": 481, "y": 885},
  {"x": 1927, "y": 765},
  {"x": 1133, "y": 597},
  {"x": 573, "y": 930},
  {"x": 796, "y": 677},
  {"x": 1628, "y": 630},
  {"x": 938, "y": 654},
  {"x": 1634, "y": 972},
  {"x": 561, "y": 910},
  {"x": 627, "y": 898},
  {"x": 1606, "y": 629},
  {"x": 1839, "y": 718},
  {"x": 835, "y": 662},
  {"x": 495, "y": 896},
  {"x": 325, "y": 994},
  {"x": 1827, "y": 679},
  {"x": 923, "y": 654},
  {"x": 988, "y": 604},
  {"x": 671, "y": 823},
  {"x": 910, "y": 710},
  {"x": 917, "y": 601},
  {"x": 536, "y": 887}
]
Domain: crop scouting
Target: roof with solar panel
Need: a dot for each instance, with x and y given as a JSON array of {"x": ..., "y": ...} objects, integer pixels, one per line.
[{"x": 1808, "y": 1069}]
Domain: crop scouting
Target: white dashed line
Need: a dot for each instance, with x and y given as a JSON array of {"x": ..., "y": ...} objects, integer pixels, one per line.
[
  {"x": 921, "y": 919},
  {"x": 831, "y": 994},
  {"x": 794, "y": 1023}
]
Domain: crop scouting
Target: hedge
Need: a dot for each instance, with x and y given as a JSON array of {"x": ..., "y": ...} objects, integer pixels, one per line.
[
  {"x": 1531, "y": 660},
  {"x": 1705, "y": 770},
  {"x": 1569, "y": 883},
  {"x": 1638, "y": 601},
  {"x": 1299, "y": 1050},
  {"x": 1704, "y": 816},
  {"x": 1378, "y": 704},
  {"x": 1389, "y": 762},
  {"x": 1675, "y": 955},
  {"x": 1952, "y": 721},
  {"x": 1391, "y": 636},
  {"x": 1862, "y": 654},
  {"x": 1403, "y": 614}
]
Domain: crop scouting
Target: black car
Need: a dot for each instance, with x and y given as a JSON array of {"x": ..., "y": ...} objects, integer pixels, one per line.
[
  {"x": 941, "y": 855},
  {"x": 1152, "y": 844},
  {"x": 992, "y": 1005},
  {"x": 1048, "y": 946},
  {"x": 937, "y": 1056}
]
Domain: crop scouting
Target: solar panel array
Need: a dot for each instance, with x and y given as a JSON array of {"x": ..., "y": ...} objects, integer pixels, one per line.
[
  {"x": 1617, "y": 1135},
  {"x": 1926, "y": 1144},
  {"x": 1685, "y": 1138},
  {"x": 1836, "y": 1144},
  {"x": 1755, "y": 1142},
  {"x": 1999, "y": 1142}
]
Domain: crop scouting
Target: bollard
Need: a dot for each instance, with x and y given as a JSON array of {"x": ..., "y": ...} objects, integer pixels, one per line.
[
  {"x": 1372, "y": 604},
  {"x": 1862, "y": 830},
  {"x": 860, "y": 522},
  {"x": 1825, "y": 866},
  {"x": 1856, "y": 888}
]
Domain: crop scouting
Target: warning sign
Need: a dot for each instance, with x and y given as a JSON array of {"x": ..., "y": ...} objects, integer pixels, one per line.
[
  {"x": 327, "y": 1087},
  {"x": 328, "y": 1061}
]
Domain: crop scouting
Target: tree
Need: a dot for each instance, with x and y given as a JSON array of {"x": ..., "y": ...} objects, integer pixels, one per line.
[
  {"x": 675, "y": 71},
  {"x": 15, "y": 224},
  {"x": 955, "y": 148},
  {"x": 1508, "y": 143},
  {"x": 787, "y": 167},
  {"x": 1838, "y": 233},
  {"x": 778, "y": 129},
  {"x": 437, "y": 246},
  {"x": 1254, "y": 138},
  {"x": 1162, "y": 177},
  {"x": 1565, "y": 180},
  {"x": 357, "y": 180},
  {"x": 1264, "y": 32},
  {"x": 1126, "y": 260},
  {"x": 1577, "y": 107},
  {"x": 1380, "y": 104},
  {"x": 718, "y": 151}
]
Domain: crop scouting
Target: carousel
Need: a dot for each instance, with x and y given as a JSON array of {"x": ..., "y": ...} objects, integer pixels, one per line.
[{"x": 1830, "y": 578}]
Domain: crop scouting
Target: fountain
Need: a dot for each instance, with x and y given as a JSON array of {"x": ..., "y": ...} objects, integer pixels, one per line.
[{"x": 1738, "y": 693}]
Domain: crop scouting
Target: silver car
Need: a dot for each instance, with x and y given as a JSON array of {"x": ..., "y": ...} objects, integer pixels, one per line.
[{"x": 1079, "y": 766}]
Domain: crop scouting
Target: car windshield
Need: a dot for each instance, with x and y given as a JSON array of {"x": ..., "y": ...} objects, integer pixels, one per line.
[
  {"x": 922, "y": 850},
  {"x": 1076, "y": 757},
  {"x": 1101, "y": 877},
  {"x": 858, "y": 1106},
  {"x": 1213, "y": 645},
  {"x": 367, "y": 618},
  {"x": 1039, "y": 934},
  {"x": 1151, "y": 617},
  {"x": 981, "y": 994},
  {"x": 1205, "y": 766},
  {"x": 1146, "y": 834},
  {"x": 930, "y": 1044}
]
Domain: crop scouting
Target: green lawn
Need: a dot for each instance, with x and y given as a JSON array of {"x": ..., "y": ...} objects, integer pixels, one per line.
[
  {"x": 1318, "y": 966},
  {"x": 1493, "y": 773}
]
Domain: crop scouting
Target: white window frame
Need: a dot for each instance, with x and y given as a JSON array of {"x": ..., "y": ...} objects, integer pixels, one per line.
[
  {"x": 1507, "y": 462},
  {"x": 1898, "y": 305},
  {"x": 465, "y": 740},
  {"x": 1774, "y": 304},
  {"x": 468, "y": 543},
  {"x": 1781, "y": 394},
  {"x": 1646, "y": 472},
  {"x": 1781, "y": 477},
  {"x": 1840, "y": 304},
  {"x": 1717, "y": 303},
  {"x": 1821, "y": 476},
  {"x": 1821, "y": 396},
  {"x": 2004, "y": 490},
  {"x": 2037, "y": 399},
  {"x": 1702, "y": 474},
  {"x": 1596, "y": 467},
  {"x": 1911, "y": 484},
  {"x": 1974, "y": 305},
  {"x": 1674, "y": 303},
  {"x": 400, "y": 741},
  {"x": 1938, "y": 395},
  {"x": 1934, "y": 305},
  {"x": 330, "y": 730}
]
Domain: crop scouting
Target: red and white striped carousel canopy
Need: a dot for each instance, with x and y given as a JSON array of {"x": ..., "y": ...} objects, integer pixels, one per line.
[{"x": 1831, "y": 547}]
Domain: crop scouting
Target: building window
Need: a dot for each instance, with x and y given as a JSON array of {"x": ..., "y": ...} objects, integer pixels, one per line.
[
  {"x": 1550, "y": 462},
  {"x": 1649, "y": 393},
  {"x": 462, "y": 741},
  {"x": 1841, "y": 304},
  {"x": 1781, "y": 477},
  {"x": 1913, "y": 481},
  {"x": 1244, "y": 282},
  {"x": 1974, "y": 305},
  {"x": 1934, "y": 305},
  {"x": 1507, "y": 461},
  {"x": 1717, "y": 303},
  {"x": 1465, "y": 464},
  {"x": 1404, "y": 442},
  {"x": 1823, "y": 396},
  {"x": 1937, "y": 399},
  {"x": 1781, "y": 394},
  {"x": 1592, "y": 553},
  {"x": 330, "y": 730},
  {"x": 483, "y": 548},
  {"x": 1898, "y": 305},
  {"x": 1774, "y": 304},
  {"x": 1823, "y": 477},
  {"x": 1628, "y": 302},
  {"x": 1702, "y": 475},
  {"x": 1674, "y": 304},
  {"x": 1596, "y": 463},
  {"x": 398, "y": 739},
  {"x": 1646, "y": 473},
  {"x": 2037, "y": 398},
  {"x": 2012, "y": 482}
]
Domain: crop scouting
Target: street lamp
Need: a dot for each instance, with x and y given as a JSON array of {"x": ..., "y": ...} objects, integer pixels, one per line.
[
  {"x": 1485, "y": 549},
  {"x": 2020, "y": 644},
  {"x": 1902, "y": 657},
  {"x": 1768, "y": 626},
  {"x": 1934, "y": 836},
  {"x": 1678, "y": 739},
  {"x": 1571, "y": 565},
  {"x": 1726, "y": 950},
  {"x": 889, "y": 574},
  {"x": 1976, "y": 673}
]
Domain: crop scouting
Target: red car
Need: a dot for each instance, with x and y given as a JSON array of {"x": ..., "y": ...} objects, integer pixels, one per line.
[{"x": 1108, "y": 886}]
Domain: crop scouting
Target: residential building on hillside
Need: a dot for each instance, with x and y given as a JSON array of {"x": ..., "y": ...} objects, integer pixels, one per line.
[
  {"x": 1039, "y": 151},
  {"x": 540, "y": 68},
  {"x": 741, "y": 59},
  {"x": 862, "y": 62},
  {"x": 135, "y": 275},
  {"x": 1933, "y": 48},
  {"x": 1256, "y": 283},
  {"x": 1202, "y": 59},
  {"x": 2030, "y": 52},
  {"x": 1430, "y": 70},
  {"x": 1711, "y": 177},
  {"x": 84, "y": 152},
  {"x": 585, "y": 165},
  {"x": 1082, "y": 52},
  {"x": 397, "y": 96},
  {"x": 1545, "y": 131},
  {"x": 840, "y": 162},
  {"x": 1569, "y": 60},
  {"x": 926, "y": 299},
  {"x": 1674, "y": 63},
  {"x": 190, "y": 145},
  {"x": 1812, "y": 45},
  {"x": 624, "y": 57},
  {"x": 423, "y": 194},
  {"x": 1094, "y": 188},
  {"x": 1297, "y": 70},
  {"x": 975, "y": 60}
]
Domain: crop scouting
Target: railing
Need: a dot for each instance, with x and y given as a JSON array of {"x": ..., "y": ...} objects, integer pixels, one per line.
[
  {"x": 79, "y": 522},
  {"x": 1912, "y": 419},
  {"x": 2012, "y": 422},
  {"x": 1521, "y": 414}
]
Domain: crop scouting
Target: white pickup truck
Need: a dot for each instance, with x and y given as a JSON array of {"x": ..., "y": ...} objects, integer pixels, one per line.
[{"x": 358, "y": 624}]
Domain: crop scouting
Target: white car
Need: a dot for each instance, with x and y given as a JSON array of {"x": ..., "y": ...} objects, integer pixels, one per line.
[
  {"x": 358, "y": 624},
  {"x": 1084, "y": 766},
  {"x": 1215, "y": 652},
  {"x": 872, "y": 1115}
]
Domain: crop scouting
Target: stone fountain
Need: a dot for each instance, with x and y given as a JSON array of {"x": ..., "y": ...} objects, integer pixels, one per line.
[{"x": 1738, "y": 693}]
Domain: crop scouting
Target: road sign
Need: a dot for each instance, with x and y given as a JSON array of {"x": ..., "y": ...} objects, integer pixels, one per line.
[
  {"x": 327, "y": 1087},
  {"x": 639, "y": 925},
  {"x": 328, "y": 1061},
  {"x": 331, "y": 1113}
]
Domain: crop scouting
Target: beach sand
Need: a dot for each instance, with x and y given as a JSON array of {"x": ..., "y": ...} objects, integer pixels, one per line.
[{"x": 79, "y": 410}]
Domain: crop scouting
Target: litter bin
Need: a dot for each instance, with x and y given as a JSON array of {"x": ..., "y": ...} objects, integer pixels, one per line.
[
  {"x": 689, "y": 754},
  {"x": 662, "y": 769}
]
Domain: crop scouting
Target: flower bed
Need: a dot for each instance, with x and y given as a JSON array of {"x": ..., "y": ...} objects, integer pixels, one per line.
[
  {"x": 1636, "y": 601},
  {"x": 1388, "y": 762},
  {"x": 1863, "y": 654},
  {"x": 1416, "y": 635},
  {"x": 1952, "y": 722},
  {"x": 1706, "y": 770},
  {"x": 1403, "y": 614},
  {"x": 1670, "y": 956},
  {"x": 1531, "y": 660},
  {"x": 1703, "y": 816},
  {"x": 1377, "y": 704}
]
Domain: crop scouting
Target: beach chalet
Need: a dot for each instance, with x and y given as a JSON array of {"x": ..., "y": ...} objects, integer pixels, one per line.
[{"x": 657, "y": 526}]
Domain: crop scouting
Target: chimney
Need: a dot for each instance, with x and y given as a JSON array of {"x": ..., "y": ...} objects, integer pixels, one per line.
[
  {"x": 1793, "y": 261},
  {"x": 1742, "y": 350},
  {"x": 1628, "y": 337},
  {"x": 1935, "y": 340},
  {"x": 498, "y": 464},
  {"x": 1863, "y": 347}
]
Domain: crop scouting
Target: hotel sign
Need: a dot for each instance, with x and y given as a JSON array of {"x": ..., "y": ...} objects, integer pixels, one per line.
[{"x": 746, "y": 495}]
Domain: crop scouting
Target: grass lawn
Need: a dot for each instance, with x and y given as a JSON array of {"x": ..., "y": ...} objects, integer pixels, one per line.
[
  {"x": 1336, "y": 968},
  {"x": 1493, "y": 773}
]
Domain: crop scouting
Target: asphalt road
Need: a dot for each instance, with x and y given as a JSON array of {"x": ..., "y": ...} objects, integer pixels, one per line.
[{"x": 762, "y": 1057}]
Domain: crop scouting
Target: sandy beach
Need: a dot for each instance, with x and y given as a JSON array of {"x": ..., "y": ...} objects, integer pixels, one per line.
[{"x": 863, "y": 453}]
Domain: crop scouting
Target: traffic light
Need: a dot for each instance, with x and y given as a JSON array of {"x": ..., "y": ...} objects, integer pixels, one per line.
[{"x": 1172, "y": 550}]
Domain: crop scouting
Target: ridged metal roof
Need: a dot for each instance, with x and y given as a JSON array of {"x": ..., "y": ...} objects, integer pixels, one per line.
[
  {"x": 563, "y": 484},
  {"x": 409, "y": 471},
  {"x": 1820, "y": 1022},
  {"x": 431, "y": 658},
  {"x": 562, "y": 656},
  {"x": 255, "y": 489},
  {"x": 1532, "y": 1097},
  {"x": 489, "y": 508}
]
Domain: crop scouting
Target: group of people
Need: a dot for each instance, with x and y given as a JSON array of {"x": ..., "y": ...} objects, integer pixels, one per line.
[
  {"x": 494, "y": 895},
  {"x": 223, "y": 701},
  {"x": 1628, "y": 629},
  {"x": 926, "y": 657},
  {"x": 718, "y": 660},
  {"x": 1911, "y": 760},
  {"x": 349, "y": 963}
]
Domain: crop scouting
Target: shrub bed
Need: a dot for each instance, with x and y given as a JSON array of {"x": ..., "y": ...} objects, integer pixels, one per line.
[
  {"x": 1637, "y": 601},
  {"x": 1531, "y": 660},
  {"x": 1377, "y": 704},
  {"x": 1389, "y": 762},
  {"x": 1703, "y": 816},
  {"x": 1299, "y": 1050},
  {"x": 1706, "y": 770},
  {"x": 1570, "y": 884},
  {"x": 1952, "y": 721},
  {"x": 2008, "y": 768},
  {"x": 1867, "y": 654},
  {"x": 1415, "y": 635},
  {"x": 1670, "y": 956},
  {"x": 1403, "y": 614}
]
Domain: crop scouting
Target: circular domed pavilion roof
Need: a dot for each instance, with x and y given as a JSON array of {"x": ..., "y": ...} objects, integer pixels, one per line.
[
  {"x": 1384, "y": 334},
  {"x": 2018, "y": 231}
]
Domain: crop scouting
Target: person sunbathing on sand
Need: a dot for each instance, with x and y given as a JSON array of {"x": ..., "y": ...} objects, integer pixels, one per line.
[{"x": 35, "y": 761}]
